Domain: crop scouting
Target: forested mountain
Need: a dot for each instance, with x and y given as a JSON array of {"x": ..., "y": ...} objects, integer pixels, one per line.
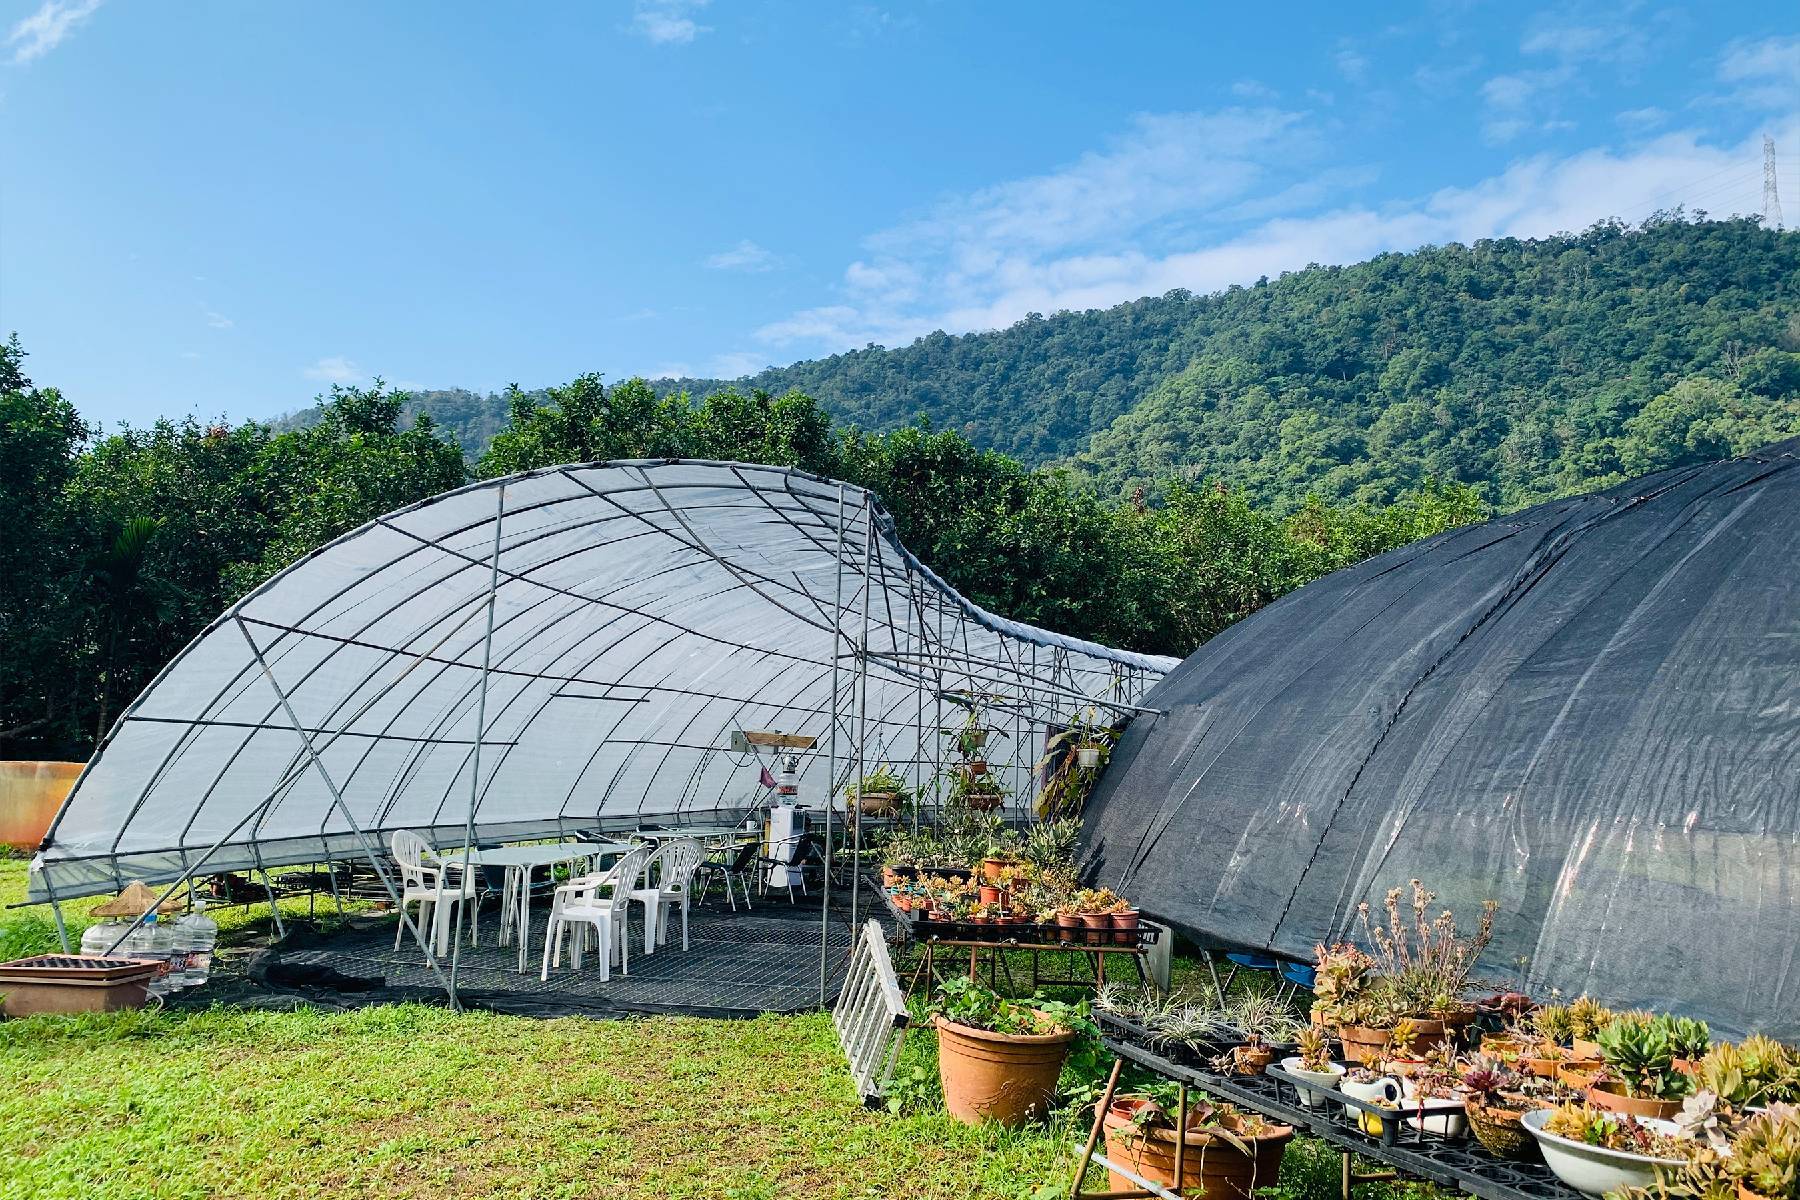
[{"x": 1527, "y": 368}]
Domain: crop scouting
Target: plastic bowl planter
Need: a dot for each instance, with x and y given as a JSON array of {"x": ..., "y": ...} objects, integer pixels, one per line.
[
  {"x": 1323, "y": 1082},
  {"x": 1595, "y": 1170}
]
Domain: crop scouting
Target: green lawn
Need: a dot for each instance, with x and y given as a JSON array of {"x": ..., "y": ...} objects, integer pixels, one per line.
[{"x": 413, "y": 1102}]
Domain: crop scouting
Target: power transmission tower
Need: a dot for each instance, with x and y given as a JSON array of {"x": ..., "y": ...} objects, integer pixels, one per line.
[{"x": 1771, "y": 197}]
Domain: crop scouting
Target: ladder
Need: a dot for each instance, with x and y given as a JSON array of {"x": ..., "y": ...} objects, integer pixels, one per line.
[{"x": 871, "y": 1016}]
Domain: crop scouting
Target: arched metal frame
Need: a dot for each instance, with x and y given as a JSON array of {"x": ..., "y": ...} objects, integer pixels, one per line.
[{"x": 567, "y": 649}]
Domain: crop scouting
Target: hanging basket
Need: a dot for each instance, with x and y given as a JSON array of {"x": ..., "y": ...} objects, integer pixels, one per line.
[{"x": 1087, "y": 756}]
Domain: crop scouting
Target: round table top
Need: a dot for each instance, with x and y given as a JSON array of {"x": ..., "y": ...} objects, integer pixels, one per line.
[{"x": 533, "y": 856}]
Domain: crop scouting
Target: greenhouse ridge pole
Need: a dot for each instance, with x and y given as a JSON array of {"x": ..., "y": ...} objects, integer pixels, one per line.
[
  {"x": 837, "y": 632},
  {"x": 487, "y": 660},
  {"x": 862, "y": 712},
  {"x": 337, "y": 798}
]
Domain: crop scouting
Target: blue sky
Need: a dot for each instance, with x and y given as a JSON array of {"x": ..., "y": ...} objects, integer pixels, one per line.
[{"x": 223, "y": 208}]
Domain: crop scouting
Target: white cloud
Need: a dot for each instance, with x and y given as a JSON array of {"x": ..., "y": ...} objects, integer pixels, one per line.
[
  {"x": 218, "y": 320},
  {"x": 1353, "y": 66},
  {"x": 1639, "y": 120},
  {"x": 738, "y": 363},
  {"x": 745, "y": 256},
  {"x": 336, "y": 369},
  {"x": 1253, "y": 89},
  {"x": 668, "y": 22},
  {"x": 986, "y": 260},
  {"x": 47, "y": 28},
  {"x": 1767, "y": 72}
]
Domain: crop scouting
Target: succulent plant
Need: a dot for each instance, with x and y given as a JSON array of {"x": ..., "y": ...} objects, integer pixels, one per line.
[
  {"x": 1587, "y": 1017},
  {"x": 1640, "y": 1050},
  {"x": 1766, "y": 1154},
  {"x": 1314, "y": 1047},
  {"x": 1690, "y": 1038},
  {"x": 1551, "y": 1022}
]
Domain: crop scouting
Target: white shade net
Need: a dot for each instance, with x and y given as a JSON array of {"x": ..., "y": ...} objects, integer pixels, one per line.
[{"x": 642, "y": 612}]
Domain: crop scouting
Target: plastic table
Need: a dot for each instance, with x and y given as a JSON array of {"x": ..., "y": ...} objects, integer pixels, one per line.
[{"x": 515, "y": 892}]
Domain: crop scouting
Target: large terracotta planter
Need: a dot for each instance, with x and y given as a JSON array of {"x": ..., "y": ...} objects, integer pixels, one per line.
[
  {"x": 1610, "y": 1095},
  {"x": 1210, "y": 1165},
  {"x": 1001, "y": 1077},
  {"x": 72, "y": 983},
  {"x": 30, "y": 794},
  {"x": 1363, "y": 1044}
]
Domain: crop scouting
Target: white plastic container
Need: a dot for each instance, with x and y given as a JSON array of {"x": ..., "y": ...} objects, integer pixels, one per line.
[{"x": 1595, "y": 1170}]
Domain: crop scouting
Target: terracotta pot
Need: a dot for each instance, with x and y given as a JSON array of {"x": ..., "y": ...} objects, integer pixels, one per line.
[
  {"x": 1582, "y": 1048},
  {"x": 1499, "y": 1132},
  {"x": 982, "y": 801},
  {"x": 1251, "y": 1060},
  {"x": 1001, "y": 1077},
  {"x": 890, "y": 878},
  {"x": 1504, "y": 1045},
  {"x": 1210, "y": 1165},
  {"x": 1125, "y": 927},
  {"x": 1097, "y": 925},
  {"x": 73, "y": 983},
  {"x": 1544, "y": 1068},
  {"x": 1363, "y": 1044},
  {"x": 1746, "y": 1192},
  {"x": 1065, "y": 922},
  {"x": 975, "y": 767},
  {"x": 1577, "y": 1072},
  {"x": 1610, "y": 1095},
  {"x": 988, "y": 893}
]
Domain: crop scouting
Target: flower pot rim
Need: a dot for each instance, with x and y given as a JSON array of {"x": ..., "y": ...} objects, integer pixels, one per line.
[
  {"x": 1272, "y": 1130},
  {"x": 987, "y": 1035},
  {"x": 1538, "y": 1131}
]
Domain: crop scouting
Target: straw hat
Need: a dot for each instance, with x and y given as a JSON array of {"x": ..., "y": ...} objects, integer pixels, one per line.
[{"x": 134, "y": 901}]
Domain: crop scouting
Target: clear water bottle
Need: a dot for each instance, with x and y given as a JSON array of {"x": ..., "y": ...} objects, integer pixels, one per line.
[
  {"x": 97, "y": 941},
  {"x": 197, "y": 934},
  {"x": 157, "y": 944}
]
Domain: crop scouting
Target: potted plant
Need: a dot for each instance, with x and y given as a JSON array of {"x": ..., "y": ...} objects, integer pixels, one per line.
[
  {"x": 1641, "y": 1079},
  {"x": 1125, "y": 920},
  {"x": 881, "y": 793},
  {"x": 1595, "y": 1152},
  {"x": 1765, "y": 1156},
  {"x": 999, "y": 1059},
  {"x": 1756, "y": 1073},
  {"x": 1224, "y": 1151},
  {"x": 1371, "y": 1087},
  {"x": 1495, "y": 1101},
  {"x": 1587, "y": 1017},
  {"x": 1433, "y": 1100},
  {"x": 1094, "y": 906},
  {"x": 1314, "y": 1065}
]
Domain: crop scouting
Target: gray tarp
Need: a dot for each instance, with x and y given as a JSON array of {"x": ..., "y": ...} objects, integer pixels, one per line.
[
  {"x": 644, "y": 612},
  {"x": 1588, "y": 711}
]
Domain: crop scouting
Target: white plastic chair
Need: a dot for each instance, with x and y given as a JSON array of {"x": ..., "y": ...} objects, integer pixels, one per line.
[
  {"x": 578, "y": 906},
  {"x": 432, "y": 890},
  {"x": 667, "y": 877}
]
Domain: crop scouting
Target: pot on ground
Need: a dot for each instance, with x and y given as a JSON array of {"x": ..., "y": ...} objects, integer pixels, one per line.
[
  {"x": 1610, "y": 1095},
  {"x": 1003, "y": 1077},
  {"x": 1210, "y": 1164},
  {"x": 74, "y": 983}
]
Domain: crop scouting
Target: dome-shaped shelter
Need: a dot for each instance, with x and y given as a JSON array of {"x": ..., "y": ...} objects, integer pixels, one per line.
[
  {"x": 1588, "y": 711},
  {"x": 565, "y": 650}
]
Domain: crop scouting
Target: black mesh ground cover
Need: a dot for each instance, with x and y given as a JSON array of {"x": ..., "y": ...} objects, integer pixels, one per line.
[
  {"x": 1585, "y": 711},
  {"x": 737, "y": 965}
]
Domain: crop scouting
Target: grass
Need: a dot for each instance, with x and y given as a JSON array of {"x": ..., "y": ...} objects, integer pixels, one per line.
[{"x": 412, "y": 1102}]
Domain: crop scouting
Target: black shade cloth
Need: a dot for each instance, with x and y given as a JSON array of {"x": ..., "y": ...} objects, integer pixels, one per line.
[{"x": 1588, "y": 711}]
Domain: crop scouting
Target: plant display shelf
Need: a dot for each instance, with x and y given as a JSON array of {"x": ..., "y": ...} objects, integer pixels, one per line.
[
  {"x": 1458, "y": 1163},
  {"x": 996, "y": 941}
]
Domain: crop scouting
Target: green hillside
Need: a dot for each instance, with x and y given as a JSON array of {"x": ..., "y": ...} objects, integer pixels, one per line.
[{"x": 1528, "y": 368}]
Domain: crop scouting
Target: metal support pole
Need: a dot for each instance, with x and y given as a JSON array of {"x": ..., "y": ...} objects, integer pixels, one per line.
[
  {"x": 837, "y": 626},
  {"x": 487, "y": 659},
  {"x": 350, "y": 818},
  {"x": 62, "y": 928},
  {"x": 862, "y": 700}
]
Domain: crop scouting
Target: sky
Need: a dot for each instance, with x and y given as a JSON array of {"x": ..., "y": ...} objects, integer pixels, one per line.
[{"x": 222, "y": 209}]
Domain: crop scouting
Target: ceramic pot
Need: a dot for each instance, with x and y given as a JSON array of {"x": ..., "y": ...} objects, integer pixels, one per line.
[
  {"x": 1322, "y": 1081},
  {"x": 1610, "y": 1095},
  {"x": 1386, "y": 1088},
  {"x": 1595, "y": 1170}
]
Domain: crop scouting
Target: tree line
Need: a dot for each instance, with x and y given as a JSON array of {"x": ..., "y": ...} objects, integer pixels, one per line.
[{"x": 120, "y": 548}]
